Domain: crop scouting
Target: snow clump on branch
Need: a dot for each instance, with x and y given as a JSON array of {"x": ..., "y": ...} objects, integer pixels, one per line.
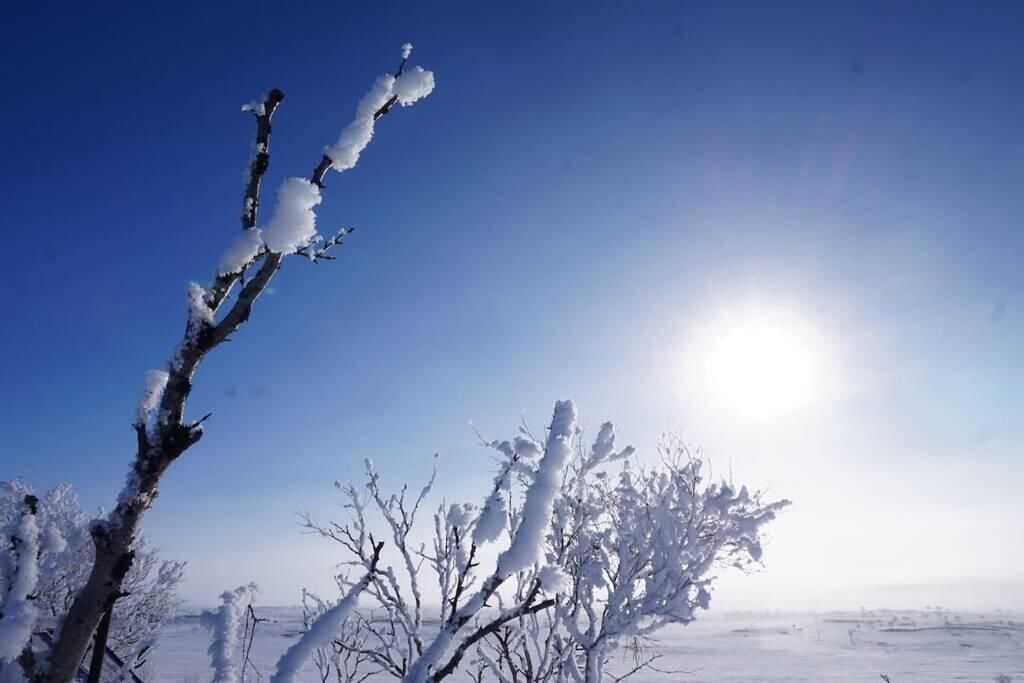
[
  {"x": 528, "y": 543},
  {"x": 293, "y": 224},
  {"x": 242, "y": 252},
  {"x": 413, "y": 85},
  {"x": 19, "y": 608},
  {"x": 152, "y": 392},
  {"x": 410, "y": 86},
  {"x": 226, "y": 623}
]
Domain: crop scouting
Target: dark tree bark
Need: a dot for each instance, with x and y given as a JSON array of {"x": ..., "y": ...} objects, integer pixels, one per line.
[{"x": 99, "y": 646}]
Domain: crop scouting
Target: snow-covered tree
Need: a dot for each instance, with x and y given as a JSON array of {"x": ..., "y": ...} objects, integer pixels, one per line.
[
  {"x": 215, "y": 312},
  {"x": 595, "y": 550}
]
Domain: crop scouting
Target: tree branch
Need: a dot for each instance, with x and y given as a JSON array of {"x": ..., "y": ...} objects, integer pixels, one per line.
[
  {"x": 170, "y": 436},
  {"x": 261, "y": 156},
  {"x": 522, "y": 610}
]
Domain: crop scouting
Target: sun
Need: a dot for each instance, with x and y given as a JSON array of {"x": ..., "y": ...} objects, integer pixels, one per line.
[{"x": 761, "y": 365}]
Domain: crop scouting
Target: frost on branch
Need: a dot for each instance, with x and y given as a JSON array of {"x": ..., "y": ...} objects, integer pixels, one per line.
[
  {"x": 226, "y": 625},
  {"x": 407, "y": 87},
  {"x": 356, "y": 136},
  {"x": 18, "y": 609},
  {"x": 152, "y": 392},
  {"x": 293, "y": 224},
  {"x": 242, "y": 252},
  {"x": 323, "y": 629},
  {"x": 200, "y": 315},
  {"x": 599, "y": 550},
  {"x": 65, "y": 555},
  {"x": 413, "y": 85},
  {"x": 528, "y": 543},
  {"x": 553, "y": 579},
  {"x": 216, "y": 312}
]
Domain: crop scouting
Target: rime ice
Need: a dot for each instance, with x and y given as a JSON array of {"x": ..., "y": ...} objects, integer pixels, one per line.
[{"x": 293, "y": 224}]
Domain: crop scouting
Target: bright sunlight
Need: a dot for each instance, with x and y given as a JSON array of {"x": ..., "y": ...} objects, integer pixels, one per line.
[{"x": 762, "y": 366}]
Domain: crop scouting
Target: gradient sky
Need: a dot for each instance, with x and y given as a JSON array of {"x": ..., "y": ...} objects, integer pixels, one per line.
[{"x": 590, "y": 185}]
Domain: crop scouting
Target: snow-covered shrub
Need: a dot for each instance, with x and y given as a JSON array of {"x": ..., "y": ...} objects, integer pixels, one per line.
[
  {"x": 226, "y": 625},
  {"x": 596, "y": 549},
  {"x": 64, "y": 557}
]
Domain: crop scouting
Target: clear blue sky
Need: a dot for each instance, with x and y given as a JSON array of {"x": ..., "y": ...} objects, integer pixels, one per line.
[{"x": 588, "y": 184}]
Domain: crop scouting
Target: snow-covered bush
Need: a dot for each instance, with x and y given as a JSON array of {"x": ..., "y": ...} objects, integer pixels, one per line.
[
  {"x": 65, "y": 556},
  {"x": 62, "y": 559},
  {"x": 595, "y": 550}
]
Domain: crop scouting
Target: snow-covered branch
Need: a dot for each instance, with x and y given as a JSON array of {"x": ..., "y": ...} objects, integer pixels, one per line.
[
  {"x": 325, "y": 628},
  {"x": 18, "y": 609},
  {"x": 592, "y": 558},
  {"x": 226, "y": 626},
  {"x": 162, "y": 431}
]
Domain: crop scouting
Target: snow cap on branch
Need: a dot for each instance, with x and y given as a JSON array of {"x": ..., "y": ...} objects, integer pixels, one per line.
[
  {"x": 356, "y": 136},
  {"x": 459, "y": 515},
  {"x": 18, "y": 607},
  {"x": 553, "y": 579},
  {"x": 410, "y": 86},
  {"x": 226, "y": 623},
  {"x": 242, "y": 252},
  {"x": 152, "y": 392},
  {"x": 320, "y": 632},
  {"x": 293, "y": 224},
  {"x": 413, "y": 85},
  {"x": 491, "y": 521},
  {"x": 199, "y": 314},
  {"x": 528, "y": 544},
  {"x": 52, "y": 541}
]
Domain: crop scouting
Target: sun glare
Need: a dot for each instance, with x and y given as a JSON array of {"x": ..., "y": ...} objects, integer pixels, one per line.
[{"x": 761, "y": 366}]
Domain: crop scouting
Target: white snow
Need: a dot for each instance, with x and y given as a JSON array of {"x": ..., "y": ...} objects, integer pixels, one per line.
[
  {"x": 491, "y": 521},
  {"x": 553, "y": 579},
  {"x": 459, "y": 515},
  {"x": 527, "y": 545},
  {"x": 242, "y": 251},
  {"x": 226, "y": 625},
  {"x": 413, "y": 85},
  {"x": 293, "y": 224},
  {"x": 603, "y": 449},
  {"x": 19, "y": 609},
  {"x": 52, "y": 542},
  {"x": 319, "y": 633},
  {"x": 723, "y": 647},
  {"x": 199, "y": 314},
  {"x": 356, "y": 136},
  {"x": 152, "y": 392}
]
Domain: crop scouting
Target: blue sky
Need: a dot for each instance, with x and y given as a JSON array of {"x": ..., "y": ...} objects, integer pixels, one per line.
[{"x": 588, "y": 186}]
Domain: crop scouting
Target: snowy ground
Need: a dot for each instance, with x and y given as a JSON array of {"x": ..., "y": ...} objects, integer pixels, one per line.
[{"x": 733, "y": 648}]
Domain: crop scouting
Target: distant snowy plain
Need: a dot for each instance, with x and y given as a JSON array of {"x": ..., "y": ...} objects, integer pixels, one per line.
[{"x": 925, "y": 645}]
